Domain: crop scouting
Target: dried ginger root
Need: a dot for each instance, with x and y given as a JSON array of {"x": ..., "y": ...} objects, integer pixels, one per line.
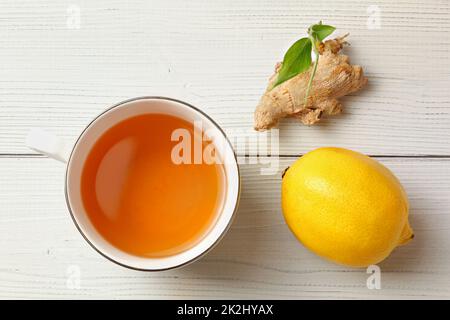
[{"x": 335, "y": 77}]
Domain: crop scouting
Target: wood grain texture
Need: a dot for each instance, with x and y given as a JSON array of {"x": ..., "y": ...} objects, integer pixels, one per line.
[
  {"x": 258, "y": 258},
  {"x": 218, "y": 55}
]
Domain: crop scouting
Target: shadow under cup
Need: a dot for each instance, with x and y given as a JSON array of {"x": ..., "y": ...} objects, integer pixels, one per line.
[{"x": 117, "y": 114}]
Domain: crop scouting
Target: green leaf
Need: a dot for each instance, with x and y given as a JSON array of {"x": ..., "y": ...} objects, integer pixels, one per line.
[
  {"x": 321, "y": 31},
  {"x": 296, "y": 60}
]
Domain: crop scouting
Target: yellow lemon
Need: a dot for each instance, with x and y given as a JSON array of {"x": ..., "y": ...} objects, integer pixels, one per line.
[{"x": 345, "y": 206}]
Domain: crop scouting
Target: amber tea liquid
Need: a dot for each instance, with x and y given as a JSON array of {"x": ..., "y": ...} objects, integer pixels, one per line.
[{"x": 138, "y": 199}]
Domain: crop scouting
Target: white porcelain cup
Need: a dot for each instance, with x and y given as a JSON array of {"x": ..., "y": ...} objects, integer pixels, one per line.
[{"x": 75, "y": 157}]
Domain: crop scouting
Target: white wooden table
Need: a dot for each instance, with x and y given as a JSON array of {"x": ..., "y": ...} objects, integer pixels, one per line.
[{"x": 60, "y": 69}]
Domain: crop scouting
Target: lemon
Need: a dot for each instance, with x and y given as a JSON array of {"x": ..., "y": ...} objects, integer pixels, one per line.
[{"x": 345, "y": 206}]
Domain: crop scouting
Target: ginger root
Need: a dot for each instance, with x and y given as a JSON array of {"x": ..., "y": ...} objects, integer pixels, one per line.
[{"x": 335, "y": 77}]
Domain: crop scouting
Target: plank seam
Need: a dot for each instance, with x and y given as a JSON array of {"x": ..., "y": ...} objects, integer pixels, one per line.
[{"x": 425, "y": 156}]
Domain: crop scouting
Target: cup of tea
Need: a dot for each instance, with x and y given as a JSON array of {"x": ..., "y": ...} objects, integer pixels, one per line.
[{"x": 152, "y": 183}]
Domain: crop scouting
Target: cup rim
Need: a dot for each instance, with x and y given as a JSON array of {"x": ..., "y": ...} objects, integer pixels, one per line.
[{"x": 225, "y": 230}]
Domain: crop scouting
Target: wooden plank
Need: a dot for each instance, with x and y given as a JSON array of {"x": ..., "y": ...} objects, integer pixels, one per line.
[
  {"x": 218, "y": 55},
  {"x": 41, "y": 252}
]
